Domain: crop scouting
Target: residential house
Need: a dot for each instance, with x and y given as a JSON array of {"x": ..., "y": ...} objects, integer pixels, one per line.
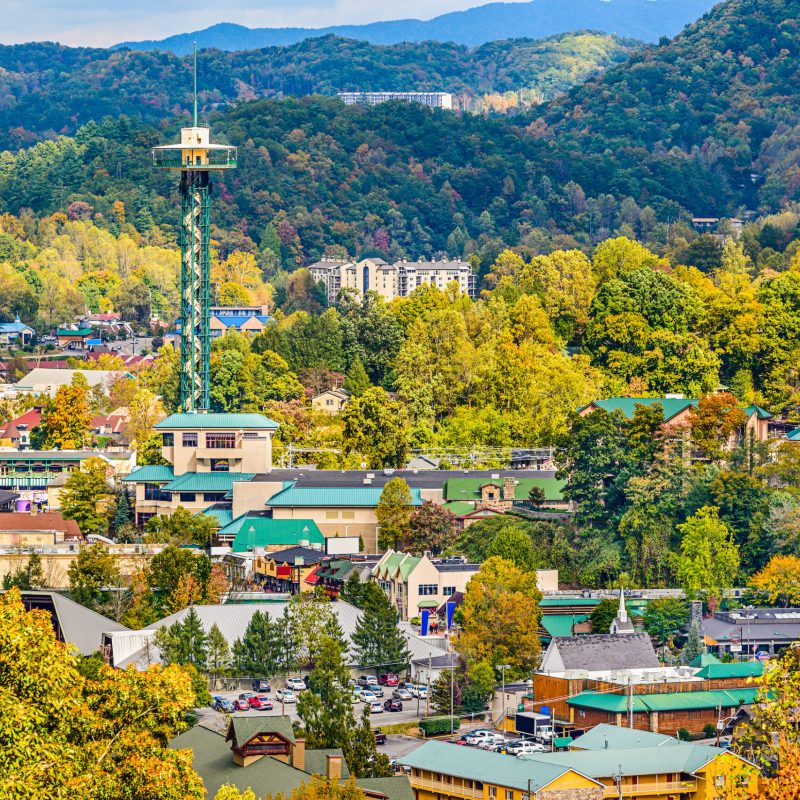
[
  {"x": 111, "y": 425},
  {"x": 683, "y": 771},
  {"x": 42, "y": 529},
  {"x": 250, "y": 324},
  {"x": 42, "y": 380},
  {"x": 292, "y": 570},
  {"x": 499, "y": 492},
  {"x": 331, "y": 401},
  {"x": 17, "y": 432},
  {"x": 16, "y": 333},
  {"x": 262, "y": 753},
  {"x": 74, "y": 338}
]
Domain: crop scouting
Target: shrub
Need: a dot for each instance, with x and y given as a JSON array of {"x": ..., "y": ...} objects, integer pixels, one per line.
[
  {"x": 710, "y": 729},
  {"x": 437, "y": 726},
  {"x": 684, "y": 735}
]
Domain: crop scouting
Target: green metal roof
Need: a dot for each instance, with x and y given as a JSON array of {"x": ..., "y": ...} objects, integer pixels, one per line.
[
  {"x": 150, "y": 473},
  {"x": 206, "y": 481},
  {"x": 480, "y": 765},
  {"x": 428, "y": 604},
  {"x": 669, "y": 701},
  {"x": 736, "y": 669},
  {"x": 761, "y": 412},
  {"x": 392, "y": 562},
  {"x": 223, "y": 516},
  {"x": 615, "y": 737},
  {"x": 205, "y": 422},
  {"x": 327, "y": 497},
  {"x": 462, "y": 489},
  {"x": 561, "y": 624},
  {"x": 253, "y": 532},
  {"x": 245, "y": 728},
  {"x": 703, "y": 660},
  {"x": 671, "y": 406},
  {"x": 79, "y": 332},
  {"x": 459, "y": 508},
  {"x": 562, "y": 741},
  {"x": 570, "y": 601}
]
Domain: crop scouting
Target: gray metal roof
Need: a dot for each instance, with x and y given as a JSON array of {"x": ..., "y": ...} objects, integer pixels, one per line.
[
  {"x": 601, "y": 652},
  {"x": 79, "y": 625}
]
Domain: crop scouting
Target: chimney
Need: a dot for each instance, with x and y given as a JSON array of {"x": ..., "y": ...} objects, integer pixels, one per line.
[
  {"x": 299, "y": 754},
  {"x": 508, "y": 488},
  {"x": 334, "y": 769},
  {"x": 696, "y": 614}
]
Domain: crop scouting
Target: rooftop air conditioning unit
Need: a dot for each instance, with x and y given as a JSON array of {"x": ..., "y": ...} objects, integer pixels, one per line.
[{"x": 367, "y": 481}]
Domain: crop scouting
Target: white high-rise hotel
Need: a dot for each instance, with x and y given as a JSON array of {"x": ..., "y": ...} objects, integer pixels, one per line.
[
  {"x": 431, "y": 99},
  {"x": 390, "y": 280}
]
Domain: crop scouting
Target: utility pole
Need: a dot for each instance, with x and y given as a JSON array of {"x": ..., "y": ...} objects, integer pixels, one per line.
[
  {"x": 427, "y": 693},
  {"x": 503, "y": 668},
  {"x": 630, "y": 702}
]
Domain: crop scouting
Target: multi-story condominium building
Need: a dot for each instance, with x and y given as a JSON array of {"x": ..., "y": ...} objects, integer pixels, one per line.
[
  {"x": 430, "y": 99},
  {"x": 391, "y": 280}
]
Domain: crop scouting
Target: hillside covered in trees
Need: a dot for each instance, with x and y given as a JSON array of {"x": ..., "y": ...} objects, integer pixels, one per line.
[{"x": 47, "y": 89}]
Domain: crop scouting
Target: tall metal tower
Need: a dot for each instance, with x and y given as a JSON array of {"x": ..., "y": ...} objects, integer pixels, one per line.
[{"x": 195, "y": 157}]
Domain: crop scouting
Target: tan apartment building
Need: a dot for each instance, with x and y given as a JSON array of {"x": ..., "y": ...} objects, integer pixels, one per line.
[{"x": 331, "y": 401}]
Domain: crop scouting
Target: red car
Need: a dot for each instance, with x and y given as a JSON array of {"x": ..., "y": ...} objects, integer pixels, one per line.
[
  {"x": 241, "y": 705},
  {"x": 261, "y": 703},
  {"x": 388, "y": 679}
]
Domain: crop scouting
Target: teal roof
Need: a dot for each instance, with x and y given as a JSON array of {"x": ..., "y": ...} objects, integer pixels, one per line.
[
  {"x": 150, "y": 473},
  {"x": 570, "y": 601},
  {"x": 79, "y": 332},
  {"x": 793, "y": 435},
  {"x": 252, "y": 532},
  {"x": 703, "y": 660},
  {"x": 481, "y": 765},
  {"x": 470, "y": 488},
  {"x": 670, "y": 701},
  {"x": 614, "y": 737},
  {"x": 206, "y": 481},
  {"x": 561, "y": 624},
  {"x": 223, "y": 516},
  {"x": 736, "y": 669},
  {"x": 388, "y": 566},
  {"x": 761, "y": 412},
  {"x": 328, "y": 497},
  {"x": 216, "y": 422},
  {"x": 671, "y": 406}
]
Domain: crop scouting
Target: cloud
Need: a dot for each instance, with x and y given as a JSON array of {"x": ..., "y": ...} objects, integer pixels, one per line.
[{"x": 101, "y": 23}]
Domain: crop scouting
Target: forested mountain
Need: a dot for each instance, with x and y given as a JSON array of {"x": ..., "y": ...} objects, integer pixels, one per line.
[
  {"x": 711, "y": 116},
  {"x": 46, "y": 89},
  {"x": 643, "y": 19}
]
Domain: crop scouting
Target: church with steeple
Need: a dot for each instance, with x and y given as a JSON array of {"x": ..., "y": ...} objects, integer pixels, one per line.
[{"x": 622, "y": 622}]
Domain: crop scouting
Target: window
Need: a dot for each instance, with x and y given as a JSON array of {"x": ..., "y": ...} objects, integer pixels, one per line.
[
  {"x": 190, "y": 439},
  {"x": 213, "y": 497},
  {"x": 427, "y": 589},
  {"x": 348, "y": 514},
  {"x": 220, "y": 465},
  {"x": 448, "y": 590},
  {"x": 492, "y": 791},
  {"x": 167, "y": 439},
  {"x": 218, "y": 441},
  {"x": 490, "y": 495},
  {"x": 582, "y": 713},
  {"x": 509, "y": 794},
  {"x": 153, "y": 491},
  {"x": 250, "y": 435},
  {"x": 331, "y": 515},
  {"x": 186, "y": 497}
]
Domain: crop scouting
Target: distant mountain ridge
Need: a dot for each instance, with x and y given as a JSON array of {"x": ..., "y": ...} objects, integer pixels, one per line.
[{"x": 647, "y": 20}]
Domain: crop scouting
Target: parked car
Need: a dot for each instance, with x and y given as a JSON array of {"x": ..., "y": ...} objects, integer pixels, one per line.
[
  {"x": 393, "y": 705},
  {"x": 522, "y": 747},
  {"x": 261, "y": 703},
  {"x": 261, "y": 685},
  {"x": 286, "y": 696},
  {"x": 375, "y": 708},
  {"x": 419, "y": 691},
  {"x": 380, "y": 737},
  {"x": 367, "y": 680},
  {"x": 388, "y": 679},
  {"x": 479, "y": 734},
  {"x": 488, "y": 742},
  {"x": 376, "y": 690},
  {"x": 224, "y": 705},
  {"x": 246, "y": 696},
  {"x": 296, "y": 684},
  {"x": 499, "y": 747},
  {"x": 241, "y": 705},
  {"x": 401, "y": 694},
  {"x": 368, "y": 697}
]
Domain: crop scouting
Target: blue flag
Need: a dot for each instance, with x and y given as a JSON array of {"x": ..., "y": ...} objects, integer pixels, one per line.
[
  {"x": 424, "y": 625},
  {"x": 451, "y": 609}
]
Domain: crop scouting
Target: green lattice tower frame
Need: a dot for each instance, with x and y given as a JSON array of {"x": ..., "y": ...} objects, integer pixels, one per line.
[{"x": 195, "y": 279}]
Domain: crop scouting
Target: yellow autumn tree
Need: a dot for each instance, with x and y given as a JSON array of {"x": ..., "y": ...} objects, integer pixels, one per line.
[
  {"x": 64, "y": 735},
  {"x": 318, "y": 788},
  {"x": 780, "y": 579}
]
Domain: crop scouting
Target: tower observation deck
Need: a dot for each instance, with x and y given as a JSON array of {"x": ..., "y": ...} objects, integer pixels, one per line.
[{"x": 195, "y": 158}]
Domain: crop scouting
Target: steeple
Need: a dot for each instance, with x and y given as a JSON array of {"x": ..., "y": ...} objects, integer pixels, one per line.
[{"x": 622, "y": 623}]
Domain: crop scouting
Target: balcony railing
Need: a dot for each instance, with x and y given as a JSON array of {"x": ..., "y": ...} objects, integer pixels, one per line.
[
  {"x": 454, "y": 789},
  {"x": 659, "y": 787}
]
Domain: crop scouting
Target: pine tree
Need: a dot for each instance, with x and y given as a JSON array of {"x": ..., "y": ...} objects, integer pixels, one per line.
[
  {"x": 366, "y": 761},
  {"x": 123, "y": 515},
  {"x": 378, "y": 641},
  {"x": 694, "y": 644},
  {"x": 31, "y": 576},
  {"x": 219, "y": 655},
  {"x": 357, "y": 381},
  {"x": 258, "y": 652},
  {"x": 184, "y": 642}
]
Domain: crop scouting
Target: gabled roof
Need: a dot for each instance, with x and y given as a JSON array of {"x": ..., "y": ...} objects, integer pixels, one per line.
[
  {"x": 245, "y": 728},
  {"x": 205, "y": 422},
  {"x": 668, "y": 701},
  {"x": 40, "y": 521},
  {"x": 251, "y": 532},
  {"x": 760, "y": 412},
  {"x": 150, "y": 473},
  {"x": 344, "y": 497},
  {"x": 703, "y": 660},
  {"x": 393, "y": 563},
  {"x": 221, "y": 512},
  {"x": 600, "y": 651},
  {"x": 615, "y": 737},
  {"x": 465, "y": 489},
  {"x": 206, "y": 481},
  {"x": 30, "y": 419},
  {"x": 291, "y": 554},
  {"x": 736, "y": 669},
  {"x": 671, "y": 406}
]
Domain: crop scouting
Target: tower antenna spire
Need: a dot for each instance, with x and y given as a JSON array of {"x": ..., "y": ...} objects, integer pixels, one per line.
[{"x": 195, "y": 84}]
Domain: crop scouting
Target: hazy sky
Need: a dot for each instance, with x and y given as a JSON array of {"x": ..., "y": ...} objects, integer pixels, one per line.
[{"x": 106, "y": 22}]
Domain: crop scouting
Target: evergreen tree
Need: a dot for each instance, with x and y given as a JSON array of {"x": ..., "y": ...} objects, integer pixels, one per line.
[
  {"x": 258, "y": 653},
  {"x": 440, "y": 693},
  {"x": 184, "y": 642},
  {"x": 31, "y": 576},
  {"x": 694, "y": 644},
  {"x": 366, "y": 761},
  {"x": 378, "y": 641},
  {"x": 123, "y": 515},
  {"x": 357, "y": 381},
  {"x": 219, "y": 655}
]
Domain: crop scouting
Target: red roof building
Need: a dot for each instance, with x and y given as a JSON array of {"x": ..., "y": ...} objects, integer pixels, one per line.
[{"x": 18, "y": 430}]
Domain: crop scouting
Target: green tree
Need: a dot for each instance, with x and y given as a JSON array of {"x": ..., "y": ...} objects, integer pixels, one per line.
[
  {"x": 310, "y": 618},
  {"x": 66, "y": 416},
  {"x": 184, "y": 642},
  {"x": 432, "y": 528},
  {"x": 87, "y": 497},
  {"x": 29, "y": 576},
  {"x": 693, "y": 646},
  {"x": 394, "y": 511},
  {"x": 377, "y": 639},
  {"x": 708, "y": 561},
  {"x": 665, "y": 616},
  {"x": 376, "y": 427},
  {"x": 180, "y": 527},
  {"x": 357, "y": 381},
  {"x": 259, "y": 652},
  {"x": 149, "y": 451},
  {"x": 219, "y": 655},
  {"x": 123, "y": 515},
  {"x": 91, "y": 574},
  {"x": 514, "y": 545}
]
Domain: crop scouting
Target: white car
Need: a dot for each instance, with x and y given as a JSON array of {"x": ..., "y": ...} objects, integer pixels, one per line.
[
  {"x": 296, "y": 684},
  {"x": 375, "y": 708},
  {"x": 419, "y": 691},
  {"x": 525, "y": 748},
  {"x": 368, "y": 698},
  {"x": 488, "y": 742},
  {"x": 401, "y": 694},
  {"x": 286, "y": 696}
]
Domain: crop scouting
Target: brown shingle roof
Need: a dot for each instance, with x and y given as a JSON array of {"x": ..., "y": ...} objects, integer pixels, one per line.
[{"x": 42, "y": 521}]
